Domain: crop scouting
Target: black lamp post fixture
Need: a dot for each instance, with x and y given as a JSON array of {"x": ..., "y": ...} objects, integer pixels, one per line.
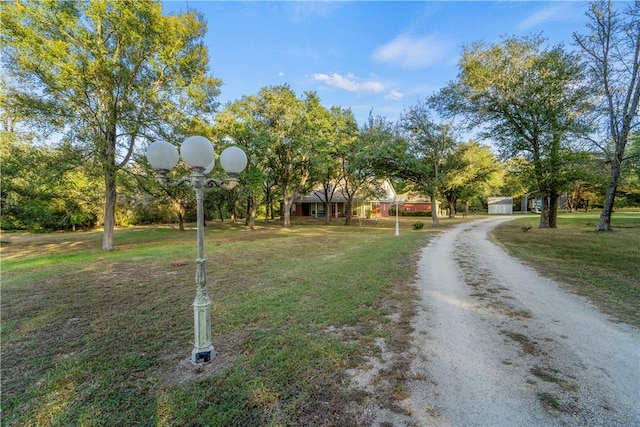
[{"x": 198, "y": 153}]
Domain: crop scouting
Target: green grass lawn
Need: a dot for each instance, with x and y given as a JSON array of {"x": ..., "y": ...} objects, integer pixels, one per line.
[
  {"x": 103, "y": 338},
  {"x": 604, "y": 266},
  {"x": 93, "y": 338}
]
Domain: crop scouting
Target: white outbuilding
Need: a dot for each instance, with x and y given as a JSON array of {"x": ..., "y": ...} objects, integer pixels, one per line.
[{"x": 500, "y": 205}]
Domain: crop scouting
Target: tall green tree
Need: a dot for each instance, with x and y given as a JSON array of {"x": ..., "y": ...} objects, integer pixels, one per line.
[
  {"x": 530, "y": 100},
  {"x": 44, "y": 188},
  {"x": 359, "y": 157},
  {"x": 634, "y": 154},
  {"x": 612, "y": 50},
  {"x": 322, "y": 127},
  {"x": 470, "y": 170},
  {"x": 236, "y": 120},
  {"x": 428, "y": 144},
  {"x": 629, "y": 184},
  {"x": 109, "y": 74},
  {"x": 286, "y": 137},
  {"x": 330, "y": 157}
]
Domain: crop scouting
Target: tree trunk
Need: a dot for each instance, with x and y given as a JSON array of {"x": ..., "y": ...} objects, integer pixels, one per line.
[
  {"x": 434, "y": 210},
  {"x": 544, "y": 212},
  {"x": 327, "y": 212},
  {"x": 347, "y": 216},
  {"x": 286, "y": 208},
  {"x": 268, "y": 213},
  {"x": 109, "y": 206},
  {"x": 180, "y": 221},
  {"x": 286, "y": 213},
  {"x": 452, "y": 208},
  {"x": 252, "y": 211},
  {"x": 219, "y": 209},
  {"x": 247, "y": 217},
  {"x": 610, "y": 198},
  {"x": 553, "y": 210},
  {"x": 549, "y": 211},
  {"x": 108, "y": 158}
]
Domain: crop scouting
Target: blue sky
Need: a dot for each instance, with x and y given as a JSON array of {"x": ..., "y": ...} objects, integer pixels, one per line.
[{"x": 381, "y": 56}]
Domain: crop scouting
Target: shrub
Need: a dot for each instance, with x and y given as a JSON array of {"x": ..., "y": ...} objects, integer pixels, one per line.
[
  {"x": 416, "y": 213},
  {"x": 418, "y": 225}
]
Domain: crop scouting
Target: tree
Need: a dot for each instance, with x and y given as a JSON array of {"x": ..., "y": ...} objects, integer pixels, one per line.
[
  {"x": 428, "y": 145},
  {"x": 243, "y": 121},
  {"x": 286, "y": 136},
  {"x": 164, "y": 203},
  {"x": 612, "y": 51},
  {"x": 323, "y": 126},
  {"x": 108, "y": 74},
  {"x": 340, "y": 130},
  {"x": 237, "y": 121},
  {"x": 470, "y": 168},
  {"x": 530, "y": 100},
  {"x": 358, "y": 156},
  {"x": 585, "y": 179},
  {"x": 43, "y": 188},
  {"x": 518, "y": 180},
  {"x": 629, "y": 183},
  {"x": 142, "y": 201}
]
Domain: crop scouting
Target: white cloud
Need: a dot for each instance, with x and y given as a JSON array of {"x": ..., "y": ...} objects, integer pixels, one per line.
[
  {"x": 412, "y": 53},
  {"x": 542, "y": 16},
  {"x": 349, "y": 83},
  {"x": 394, "y": 95},
  {"x": 281, "y": 74}
]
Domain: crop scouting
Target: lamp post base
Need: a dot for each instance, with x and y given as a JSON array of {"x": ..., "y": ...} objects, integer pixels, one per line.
[
  {"x": 203, "y": 351},
  {"x": 200, "y": 356}
]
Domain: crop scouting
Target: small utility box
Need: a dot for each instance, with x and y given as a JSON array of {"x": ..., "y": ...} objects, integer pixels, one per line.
[{"x": 500, "y": 205}]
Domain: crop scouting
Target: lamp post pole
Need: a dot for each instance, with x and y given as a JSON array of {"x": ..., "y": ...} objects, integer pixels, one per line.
[
  {"x": 203, "y": 350},
  {"x": 198, "y": 153},
  {"x": 397, "y": 221}
]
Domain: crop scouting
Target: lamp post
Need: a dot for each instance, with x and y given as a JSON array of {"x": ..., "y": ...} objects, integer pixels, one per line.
[
  {"x": 398, "y": 200},
  {"x": 197, "y": 152},
  {"x": 397, "y": 221}
]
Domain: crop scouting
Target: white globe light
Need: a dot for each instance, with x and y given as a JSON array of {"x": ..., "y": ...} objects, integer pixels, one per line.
[
  {"x": 233, "y": 160},
  {"x": 209, "y": 168},
  {"x": 162, "y": 155},
  {"x": 197, "y": 151}
]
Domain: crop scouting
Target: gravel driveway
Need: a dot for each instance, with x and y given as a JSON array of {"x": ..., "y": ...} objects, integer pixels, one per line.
[{"x": 496, "y": 344}]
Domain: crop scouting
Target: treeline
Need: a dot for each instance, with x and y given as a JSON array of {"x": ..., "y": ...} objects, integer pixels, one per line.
[
  {"x": 57, "y": 188},
  {"x": 107, "y": 81}
]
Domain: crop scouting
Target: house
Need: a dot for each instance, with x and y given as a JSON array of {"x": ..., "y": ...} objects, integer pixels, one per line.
[
  {"x": 377, "y": 205},
  {"x": 415, "y": 202}
]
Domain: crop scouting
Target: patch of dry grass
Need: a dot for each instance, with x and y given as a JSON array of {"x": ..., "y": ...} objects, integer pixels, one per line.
[{"x": 97, "y": 338}]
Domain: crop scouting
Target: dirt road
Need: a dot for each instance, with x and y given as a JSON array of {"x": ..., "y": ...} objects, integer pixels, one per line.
[{"x": 498, "y": 345}]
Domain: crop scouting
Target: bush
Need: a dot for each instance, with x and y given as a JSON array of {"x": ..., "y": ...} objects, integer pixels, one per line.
[
  {"x": 418, "y": 225},
  {"x": 628, "y": 200},
  {"x": 416, "y": 213}
]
